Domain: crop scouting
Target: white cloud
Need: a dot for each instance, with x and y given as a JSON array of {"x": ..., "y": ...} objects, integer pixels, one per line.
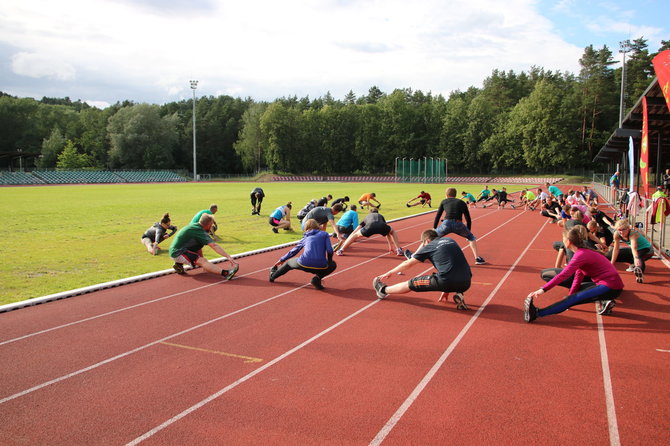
[{"x": 267, "y": 48}]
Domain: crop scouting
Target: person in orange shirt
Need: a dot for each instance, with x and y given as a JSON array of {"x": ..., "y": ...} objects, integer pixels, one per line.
[{"x": 367, "y": 199}]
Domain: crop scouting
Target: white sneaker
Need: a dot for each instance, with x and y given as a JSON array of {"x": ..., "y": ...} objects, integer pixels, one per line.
[{"x": 630, "y": 268}]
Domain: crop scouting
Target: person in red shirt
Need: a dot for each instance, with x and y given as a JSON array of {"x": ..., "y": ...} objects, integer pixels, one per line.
[{"x": 422, "y": 199}]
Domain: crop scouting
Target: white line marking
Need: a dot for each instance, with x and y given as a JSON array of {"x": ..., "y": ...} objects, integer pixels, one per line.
[
  {"x": 245, "y": 378},
  {"x": 607, "y": 382},
  {"x": 395, "y": 418},
  {"x": 662, "y": 351}
]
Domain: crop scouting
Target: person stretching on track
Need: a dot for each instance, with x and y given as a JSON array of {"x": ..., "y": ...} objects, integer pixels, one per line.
[
  {"x": 157, "y": 233},
  {"x": 454, "y": 211},
  {"x": 187, "y": 249},
  {"x": 281, "y": 218},
  {"x": 469, "y": 199},
  {"x": 422, "y": 199},
  {"x": 607, "y": 285},
  {"x": 256, "y": 197},
  {"x": 367, "y": 199},
  {"x": 373, "y": 223},
  {"x": 453, "y": 272},
  {"x": 316, "y": 257}
]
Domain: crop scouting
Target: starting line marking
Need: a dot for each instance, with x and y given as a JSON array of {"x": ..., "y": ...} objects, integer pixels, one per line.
[
  {"x": 247, "y": 359},
  {"x": 662, "y": 351}
]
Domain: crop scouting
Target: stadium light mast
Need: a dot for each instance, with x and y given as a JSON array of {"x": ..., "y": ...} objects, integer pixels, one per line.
[
  {"x": 194, "y": 85},
  {"x": 624, "y": 47}
]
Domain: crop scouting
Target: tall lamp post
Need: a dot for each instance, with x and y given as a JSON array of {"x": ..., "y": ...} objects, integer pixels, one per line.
[
  {"x": 624, "y": 48},
  {"x": 194, "y": 85}
]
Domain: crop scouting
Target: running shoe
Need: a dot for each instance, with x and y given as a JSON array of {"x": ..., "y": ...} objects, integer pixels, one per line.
[
  {"x": 513, "y": 207},
  {"x": 630, "y": 268},
  {"x": 459, "y": 300},
  {"x": 378, "y": 285},
  {"x": 480, "y": 261},
  {"x": 408, "y": 254},
  {"x": 605, "y": 307},
  {"x": 399, "y": 252},
  {"x": 272, "y": 271},
  {"x": 179, "y": 268},
  {"x": 275, "y": 230},
  {"x": 407, "y": 205},
  {"x": 339, "y": 252},
  {"x": 227, "y": 275},
  {"x": 336, "y": 246},
  {"x": 639, "y": 275},
  {"x": 529, "y": 310},
  {"x": 316, "y": 282}
]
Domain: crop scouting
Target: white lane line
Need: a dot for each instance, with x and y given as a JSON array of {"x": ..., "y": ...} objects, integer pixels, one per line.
[
  {"x": 607, "y": 382},
  {"x": 395, "y": 418},
  {"x": 245, "y": 378}
]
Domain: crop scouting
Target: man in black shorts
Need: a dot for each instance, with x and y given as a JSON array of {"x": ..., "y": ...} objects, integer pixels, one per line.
[
  {"x": 453, "y": 272},
  {"x": 373, "y": 223},
  {"x": 454, "y": 210},
  {"x": 256, "y": 196}
]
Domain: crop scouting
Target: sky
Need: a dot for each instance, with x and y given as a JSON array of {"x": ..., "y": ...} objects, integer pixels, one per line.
[{"x": 106, "y": 51}]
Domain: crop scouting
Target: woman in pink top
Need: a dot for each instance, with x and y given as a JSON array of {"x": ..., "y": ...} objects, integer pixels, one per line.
[{"x": 607, "y": 285}]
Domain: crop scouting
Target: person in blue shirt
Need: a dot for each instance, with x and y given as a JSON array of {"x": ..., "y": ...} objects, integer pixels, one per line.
[
  {"x": 556, "y": 192},
  {"x": 348, "y": 222},
  {"x": 316, "y": 257},
  {"x": 281, "y": 218}
]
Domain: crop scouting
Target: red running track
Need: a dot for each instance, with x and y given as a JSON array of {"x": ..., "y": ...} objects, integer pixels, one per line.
[{"x": 193, "y": 360}]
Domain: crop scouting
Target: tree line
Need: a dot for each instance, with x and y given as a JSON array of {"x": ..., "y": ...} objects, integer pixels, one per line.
[{"x": 526, "y": 122}]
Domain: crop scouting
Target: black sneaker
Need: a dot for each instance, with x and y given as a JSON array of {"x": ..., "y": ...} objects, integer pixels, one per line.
[
  {"x": 230, "y": 274},
  {"x": 179, "y": 268},
  {"x": 529, "y": 310},
  {"x": 605, "y": 307},
  {"x": 408, "y": 254},
  {"x": 272, "y": 271},
  {"x": 513, "y": 207},
  {"x": 378, "y": 285},
  {"x": 275, "y": 230},
  {"x": 316, "y": 282},
  {"x": 407, "y": 205},
  {"x": 480, "y": 261},
  {"x": 639, "y": 275},
  {"x": 459, "y": 300}
]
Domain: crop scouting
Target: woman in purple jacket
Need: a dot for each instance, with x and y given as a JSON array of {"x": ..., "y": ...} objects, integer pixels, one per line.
[
  {"x": 607, "y": 285},
  {"x": 316, "y": 258}
]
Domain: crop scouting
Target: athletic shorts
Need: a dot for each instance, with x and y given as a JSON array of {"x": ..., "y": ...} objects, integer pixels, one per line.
[
  {"x": 434, "y": 283},
  {"x": 273, "y": 221},
  {"x": 455, "y": 227},
  {"x": 375, "y": 228},
  {"x": 189, "y": 257}
]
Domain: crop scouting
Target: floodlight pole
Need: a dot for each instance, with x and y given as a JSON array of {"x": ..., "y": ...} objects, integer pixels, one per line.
[
  {"x": 624, "y": 47},
  {"x": 20, "y": 160},
  {"x": 194, "y": 85}
]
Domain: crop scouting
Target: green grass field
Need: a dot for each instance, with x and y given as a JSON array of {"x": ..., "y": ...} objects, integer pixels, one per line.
[{"x": 59, "y": 238}]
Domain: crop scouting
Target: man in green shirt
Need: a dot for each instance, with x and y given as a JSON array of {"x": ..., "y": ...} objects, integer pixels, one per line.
[
  {"x": 187, "y": 248},
  {"x": 211, "y": 211}
]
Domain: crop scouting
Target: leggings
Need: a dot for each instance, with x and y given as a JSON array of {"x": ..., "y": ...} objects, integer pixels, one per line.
[
  {"x": 293, "y": 264},
  {"x": 626, "y": 255},
  {"x": 590, "y": 294}
]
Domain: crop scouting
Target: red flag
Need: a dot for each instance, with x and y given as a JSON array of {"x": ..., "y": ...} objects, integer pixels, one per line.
[
  {"x": 662, "y": 68},
  {"x": 644, "y": 150}
]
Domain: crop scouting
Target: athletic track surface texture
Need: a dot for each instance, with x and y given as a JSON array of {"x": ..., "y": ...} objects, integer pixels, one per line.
[{"x": 196, "y": 361}]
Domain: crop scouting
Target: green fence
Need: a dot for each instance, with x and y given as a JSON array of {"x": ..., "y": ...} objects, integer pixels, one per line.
[{"x": 421, "y": 170}]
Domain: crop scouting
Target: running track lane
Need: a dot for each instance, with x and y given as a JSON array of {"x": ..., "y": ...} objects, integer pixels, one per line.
[{"x": 342, "y": 387}]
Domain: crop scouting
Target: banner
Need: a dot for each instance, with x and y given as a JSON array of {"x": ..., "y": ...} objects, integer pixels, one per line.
[
  {"x": 631, "y": 163},
  {"x": 662, "y": 68},
  {"x": 644, "y": 149}
]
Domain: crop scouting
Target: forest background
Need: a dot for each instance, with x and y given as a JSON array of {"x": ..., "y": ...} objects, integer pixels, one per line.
[{"x": 530, "y": 122}]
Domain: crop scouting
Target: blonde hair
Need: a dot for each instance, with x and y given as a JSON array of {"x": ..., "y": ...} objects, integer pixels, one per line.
[
  {"x": 311, "y": 224},
  {"x": 622, "y": 224}
]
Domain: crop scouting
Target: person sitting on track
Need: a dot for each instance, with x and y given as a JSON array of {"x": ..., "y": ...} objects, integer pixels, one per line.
[
  {"x": 495, "y": 195},
  {"x": 187, "y": 249},
  {"x": 323, "y": 201},
  {"x": 555, "y": 192},
  {"x": 607, "y": 285},
  {"x": 256, "y": 197},
  {"x": 551, "y": 210},
  {"x": 373, "y": 223},
  {"x": 542, "y": 196},
  {"x": 503, "y": 199},
  {"x": 638, "y": 250},
  {"x": 367, "y": 199},
  {"x": 454, "y": 211},
  {"x": 316, "y": 257},
  {"x": 590, "y": 195},
  {"x": 453, "y": 272},
  {"x": 469, "y": 199},
  {"x": 344, "y": 201},
  {"x": 213, "y": 208},
  {"x": 422, "y": 199},
  {"x": 281, "y": 218},
  {"x": 323, "y": 215},
  {"x": 347, "y": 223},
  {"x": 157, "y": 233},
  {"x": 528, "y": 199}
]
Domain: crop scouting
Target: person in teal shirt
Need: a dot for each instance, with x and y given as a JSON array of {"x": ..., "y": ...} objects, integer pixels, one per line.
[
  {"x": 348, "y": 222},
  {"x": 469, "y": 198},
  {"x": 556, "y": 192},
  {"x": 484, "y": 195},
  {"x": 639, "y": 249}
]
